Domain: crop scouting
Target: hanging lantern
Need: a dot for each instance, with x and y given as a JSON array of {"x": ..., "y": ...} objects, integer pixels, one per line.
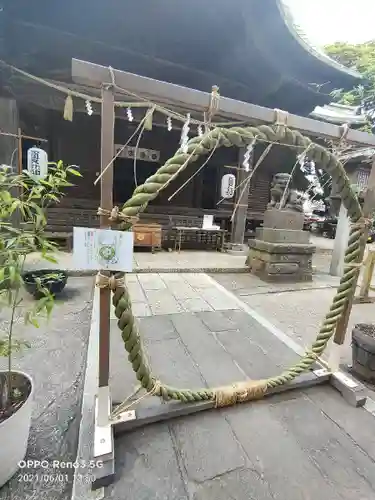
[
  {"x": 228, "y": 186},
  {"x": 37, "y": 163}
]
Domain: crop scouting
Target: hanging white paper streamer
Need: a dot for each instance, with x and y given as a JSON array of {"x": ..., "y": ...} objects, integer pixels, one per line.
[
  {"x": 246, "y": 156},
  {"x": 185, "y": 134},
  {"x": 88, "y": 107},
  {"x": 169, "y": 123},
  {"x": 130, "y": 114},
  {"x": 200, "y": 131}
]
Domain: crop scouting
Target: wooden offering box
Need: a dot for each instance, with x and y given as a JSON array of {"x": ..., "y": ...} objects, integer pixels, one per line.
[{"x": 147, "y": 235}]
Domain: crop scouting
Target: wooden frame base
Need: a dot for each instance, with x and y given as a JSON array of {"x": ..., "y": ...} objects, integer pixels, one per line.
[{"x": 353, "y": 392}]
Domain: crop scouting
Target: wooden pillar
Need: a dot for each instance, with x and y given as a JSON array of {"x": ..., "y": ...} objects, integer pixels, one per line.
[
  {"x": 341, "y": 237},
  {"x": 11, "y": 147},
  {"x": 106, "y": 202},
  {"x": 240, "y": 205},
  {"x": 340, "y": 337},
  {"x": 340, "y": 244},
  {"x": 9, "y": 124}
]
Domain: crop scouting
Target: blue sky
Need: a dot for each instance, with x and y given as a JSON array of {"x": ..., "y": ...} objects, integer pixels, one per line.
[{"x": 327, "y": 21}]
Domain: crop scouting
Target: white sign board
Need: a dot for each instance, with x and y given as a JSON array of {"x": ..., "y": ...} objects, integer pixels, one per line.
[
  {"x": 207, "y": 221},
  {"x": 228, "y": 186},
  {"x": 103, "y": 249},
  {"x": 37, "y": 163}
]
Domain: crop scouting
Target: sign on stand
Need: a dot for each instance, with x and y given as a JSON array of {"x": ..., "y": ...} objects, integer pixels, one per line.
[{"x": 106, "y": 249}]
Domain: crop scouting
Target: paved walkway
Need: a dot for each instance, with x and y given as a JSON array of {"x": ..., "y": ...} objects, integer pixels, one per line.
[
  {"x": 298, "y": 310},
  {"x": 297, "y": 446},
  {"x": 185, "y": 261}
]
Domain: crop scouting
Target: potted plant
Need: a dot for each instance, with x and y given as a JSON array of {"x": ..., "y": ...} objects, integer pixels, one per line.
[
  {"x": 53, "y": 280},
  {"x": 22, "y": 199},
  {"x": 363, "y": 351}
]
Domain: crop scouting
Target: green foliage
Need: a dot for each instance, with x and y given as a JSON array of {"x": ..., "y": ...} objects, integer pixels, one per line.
[
  {"x": 360, "y": 57},
  {"x": 24, "y": 199}
]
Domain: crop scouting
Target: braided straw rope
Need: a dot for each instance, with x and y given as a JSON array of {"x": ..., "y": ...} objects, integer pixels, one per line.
[{"x": 197, "y": 146}]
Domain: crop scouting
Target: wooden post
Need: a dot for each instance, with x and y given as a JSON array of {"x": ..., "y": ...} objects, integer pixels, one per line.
[
  {"x": 367, "y": 277},
  {"x": 241, "y": 204},
  {"x": 368, "y": 209},
  {"x": 9, "y": 125},
  {"x": 340, "y": 244},
  {"x": 106, "y": 202},
  {"x": 20, "y": 168}
]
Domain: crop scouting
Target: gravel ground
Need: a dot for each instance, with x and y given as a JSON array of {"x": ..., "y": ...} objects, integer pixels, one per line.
[{"x": 56, "y": 362}]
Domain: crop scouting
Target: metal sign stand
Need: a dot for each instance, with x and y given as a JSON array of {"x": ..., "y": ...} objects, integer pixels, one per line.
[{"x": 95, "y": 75}]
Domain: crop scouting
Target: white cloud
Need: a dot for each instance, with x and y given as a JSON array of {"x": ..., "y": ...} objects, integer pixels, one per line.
[{"x": 327, "y": 21}]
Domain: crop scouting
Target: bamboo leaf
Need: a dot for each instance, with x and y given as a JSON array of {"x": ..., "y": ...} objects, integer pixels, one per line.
[
  {"x": 73, "y": 171},
  {"x": 50, "y": 258}
]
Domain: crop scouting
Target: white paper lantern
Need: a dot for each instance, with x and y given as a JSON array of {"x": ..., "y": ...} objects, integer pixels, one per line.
[
  {"x": 228, "y": 186},
  {"x": 37, "y": 163}
]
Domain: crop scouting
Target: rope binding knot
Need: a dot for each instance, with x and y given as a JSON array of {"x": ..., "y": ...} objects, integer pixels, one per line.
[
  {"x": 116, "y": 216},
  {"x": 112, "y": 282},
  {"x": 248, "y": 390},
  {"x": 363, "y": 223},
  {"x": 281, "y": 117}
]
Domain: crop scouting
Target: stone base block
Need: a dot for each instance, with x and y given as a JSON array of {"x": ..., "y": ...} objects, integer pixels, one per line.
[
  {"x": 283, "y": 219},
  {"x": 272, "y": 235},
  {"x": 280, "y": 263}
]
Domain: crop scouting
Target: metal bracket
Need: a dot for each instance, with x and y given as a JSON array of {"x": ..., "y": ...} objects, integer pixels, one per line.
[
  {"x": 104, "y": 456},
  {"x": 352, "y": 391}
]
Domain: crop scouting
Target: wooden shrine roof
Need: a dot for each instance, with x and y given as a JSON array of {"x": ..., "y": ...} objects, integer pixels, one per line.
[{"x": 249, "y": 48}]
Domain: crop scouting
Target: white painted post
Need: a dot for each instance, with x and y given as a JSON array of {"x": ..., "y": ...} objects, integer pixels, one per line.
[{"x": 341, "y": 242}]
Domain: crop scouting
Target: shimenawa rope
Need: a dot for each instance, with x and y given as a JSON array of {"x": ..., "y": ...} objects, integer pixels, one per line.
[{"x": 240, "y": 137}]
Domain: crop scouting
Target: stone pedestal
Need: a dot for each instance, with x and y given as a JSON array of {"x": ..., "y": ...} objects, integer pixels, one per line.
[{"x": 281, "y": 251}]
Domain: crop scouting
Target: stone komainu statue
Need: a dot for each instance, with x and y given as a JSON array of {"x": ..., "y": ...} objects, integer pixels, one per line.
[{"x": 291, "y": 200}]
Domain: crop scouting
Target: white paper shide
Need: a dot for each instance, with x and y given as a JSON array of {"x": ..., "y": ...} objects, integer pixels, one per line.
[
  {"x": 37, "y": 163},
  {"x": 95, "y": 249}
]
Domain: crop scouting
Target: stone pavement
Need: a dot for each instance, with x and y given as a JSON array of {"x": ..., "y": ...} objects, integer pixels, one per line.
[
  {"x": 185, "y": 261},
  {"x": 296, "y": 446},
  {"x": 297, "y": 310},
  {"x": 168, "y": 262},
  {"x": 165, "y": 293}
]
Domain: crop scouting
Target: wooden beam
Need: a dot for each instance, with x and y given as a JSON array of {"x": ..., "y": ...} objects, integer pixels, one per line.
[
  {"x": 162, "y": 92},
  {"x": 168, "y": 411},
  {"x": 241, "y": 201}
]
